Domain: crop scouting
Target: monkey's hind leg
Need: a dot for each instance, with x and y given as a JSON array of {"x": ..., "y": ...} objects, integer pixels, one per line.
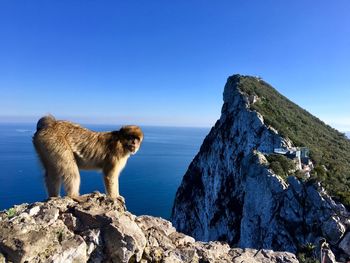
[
  {"x": 71, "y": 178},
  {"x": 62, "y": 168},
  {"x": 53, "y": 183},
  {"x": 52, "y": 175}
]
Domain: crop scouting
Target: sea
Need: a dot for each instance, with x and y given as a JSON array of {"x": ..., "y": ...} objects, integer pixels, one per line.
[{"x": 148, "y": 182}]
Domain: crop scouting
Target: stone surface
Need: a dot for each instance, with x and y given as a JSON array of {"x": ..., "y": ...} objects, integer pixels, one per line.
[
  {"x": 345, "y": 244},
  {"x": 124, "y": 239},
  {"x": 71, "y": 250},
  {"x": 101, "y": 230},
  {"x": 228, "y": 193},
  {"x": 2, "y": 258}
]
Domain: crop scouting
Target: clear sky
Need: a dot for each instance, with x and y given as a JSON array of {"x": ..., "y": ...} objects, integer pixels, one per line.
[{"x": 166, "y": 62}]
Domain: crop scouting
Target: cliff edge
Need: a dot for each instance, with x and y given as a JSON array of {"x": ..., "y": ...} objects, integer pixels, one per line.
[
  {"x": 250, "y": 183},
  {"x": 102, "y": 230}
]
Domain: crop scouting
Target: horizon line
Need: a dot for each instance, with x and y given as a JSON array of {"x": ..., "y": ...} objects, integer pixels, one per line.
[{"x": 7, "y": 119}]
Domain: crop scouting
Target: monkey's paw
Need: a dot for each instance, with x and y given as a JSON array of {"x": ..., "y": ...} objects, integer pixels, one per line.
[
  {"x": 116, "y": 199},
  {"x": 121, "y": 199}
]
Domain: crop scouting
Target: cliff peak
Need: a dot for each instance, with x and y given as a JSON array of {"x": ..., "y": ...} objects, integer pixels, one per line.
[{"x": 256, "y": 179}]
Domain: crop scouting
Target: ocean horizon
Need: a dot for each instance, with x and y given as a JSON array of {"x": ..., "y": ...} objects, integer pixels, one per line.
[{"x": 148, "y": 183}]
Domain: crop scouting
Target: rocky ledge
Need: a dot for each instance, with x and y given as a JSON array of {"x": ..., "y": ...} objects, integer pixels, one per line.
[{"x": 102, "y": 230}]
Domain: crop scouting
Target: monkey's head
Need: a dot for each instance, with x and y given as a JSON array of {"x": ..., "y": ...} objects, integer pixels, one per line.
[{"x": 132, "y": 137}]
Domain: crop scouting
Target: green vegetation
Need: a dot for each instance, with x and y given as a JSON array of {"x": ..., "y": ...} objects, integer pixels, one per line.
[
  {"x": 306, "y": 254},
  {"x": 60, "y": 235},
  {"x": 11, "y": 212},
  {"x": 303, "y": 258},
  {"x": 329, "y": 149},
  {"x": 281, "y": 165}
]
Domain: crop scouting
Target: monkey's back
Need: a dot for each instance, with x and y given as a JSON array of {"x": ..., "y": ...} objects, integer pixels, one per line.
[
  {"x": 50, "y": 130},
  {"x": 54, "y": 140}
]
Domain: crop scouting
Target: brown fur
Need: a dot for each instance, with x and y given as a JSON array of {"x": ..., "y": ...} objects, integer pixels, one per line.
[{"x": 64, "y": 148}]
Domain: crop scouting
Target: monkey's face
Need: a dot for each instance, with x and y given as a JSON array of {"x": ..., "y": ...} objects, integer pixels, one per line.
[
  {"x": 133, "y": 144},
  {"x": 133, "y": 137}
]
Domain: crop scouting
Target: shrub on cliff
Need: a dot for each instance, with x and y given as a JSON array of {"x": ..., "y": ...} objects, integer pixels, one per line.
[{"x": 281, "y": 165}]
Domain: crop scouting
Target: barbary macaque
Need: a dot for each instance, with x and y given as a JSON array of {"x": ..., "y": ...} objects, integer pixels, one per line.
[{"x": 65, "y": 147}]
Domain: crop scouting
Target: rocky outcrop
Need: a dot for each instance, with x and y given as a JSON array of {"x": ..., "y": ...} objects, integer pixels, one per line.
[
  {"x": 230, "y": 194},
  {"x": 102, "y": 230}
]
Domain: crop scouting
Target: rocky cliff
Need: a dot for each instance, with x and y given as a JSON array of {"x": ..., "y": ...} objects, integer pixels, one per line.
[
  {"x": 102, "y": 230},
  {"x": 229, "y": 192}
]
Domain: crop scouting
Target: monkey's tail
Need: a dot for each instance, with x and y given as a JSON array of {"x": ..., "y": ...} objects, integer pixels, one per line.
[{"x": 45, "y": 122}]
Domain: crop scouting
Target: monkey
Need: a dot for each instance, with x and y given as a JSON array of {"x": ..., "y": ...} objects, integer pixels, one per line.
[{"x": 64, "y": 147}]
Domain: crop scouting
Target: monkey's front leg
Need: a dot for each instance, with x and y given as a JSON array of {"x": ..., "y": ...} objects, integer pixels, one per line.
[{"x": 111, "y": 180}]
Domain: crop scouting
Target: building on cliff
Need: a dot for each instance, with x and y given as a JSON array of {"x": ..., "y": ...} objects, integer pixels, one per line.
[{"x": 300, "y": 154}]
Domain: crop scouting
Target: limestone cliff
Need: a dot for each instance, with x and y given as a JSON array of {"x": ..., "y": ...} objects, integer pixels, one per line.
[
  {"x": 102, "y": 230},
  {"x": 229, "y": 193}
]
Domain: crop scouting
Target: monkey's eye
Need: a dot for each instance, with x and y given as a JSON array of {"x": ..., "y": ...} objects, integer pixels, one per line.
[{"x": 132, "y": 138}]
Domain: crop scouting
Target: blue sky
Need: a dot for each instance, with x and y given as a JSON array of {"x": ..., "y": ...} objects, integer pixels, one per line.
[{"x": 166, "y": 62}]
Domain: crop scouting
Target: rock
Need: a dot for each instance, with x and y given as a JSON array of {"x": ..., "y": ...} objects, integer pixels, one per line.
[
  {"x": 328, "y": 257},
  {"x": 22, "y": 240},
  {"x": 333, "y": 229},
  {"x": 70, "y": 221},
  {"x": 50, "y": 215},
  {"x": 148, "y": 222},
  {"x": 124, "y": 239},
  {"x": 34, "y": 210},
  {"x": 345, "y": 244},
  {"x": 72, "y": 250},
  {"x": 228, "y": 192},
  {"x": 93, "y": 240},
  {"x": 180, "y": 239},
  {"x": 215, "y": 252},
  {"x": 261, "y": 256},
  {"x": 101, "y": 230},
  {"x": 2, "y": 258}
]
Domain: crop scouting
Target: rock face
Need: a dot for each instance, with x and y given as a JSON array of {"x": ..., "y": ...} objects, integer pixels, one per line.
[
  {"x": 230, "y": 194},
  {"x": 102, "y": 230}
]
